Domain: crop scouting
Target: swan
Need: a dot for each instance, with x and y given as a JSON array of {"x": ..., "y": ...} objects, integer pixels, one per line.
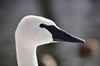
[{"x": 33, "y": 31}]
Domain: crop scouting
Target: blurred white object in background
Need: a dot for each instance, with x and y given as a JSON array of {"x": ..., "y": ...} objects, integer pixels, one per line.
[{"x": 48, "y": 60}]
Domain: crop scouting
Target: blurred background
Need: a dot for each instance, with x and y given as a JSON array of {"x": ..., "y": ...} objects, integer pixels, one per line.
[{"x": 78, "y": 17}]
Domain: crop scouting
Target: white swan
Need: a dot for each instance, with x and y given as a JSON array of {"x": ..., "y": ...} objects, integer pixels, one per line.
[{"x": 33, "y": 31}]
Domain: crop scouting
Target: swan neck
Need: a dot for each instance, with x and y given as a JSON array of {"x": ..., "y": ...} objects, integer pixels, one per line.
[{"x": 26, "y": 56}]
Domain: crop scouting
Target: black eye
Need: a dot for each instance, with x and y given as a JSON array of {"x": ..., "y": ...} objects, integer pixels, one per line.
[{"x": 43, "y": 25}]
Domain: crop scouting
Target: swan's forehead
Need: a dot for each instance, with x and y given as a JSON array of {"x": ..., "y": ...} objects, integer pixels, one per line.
[
  {"x": 42, "y": 20},
  {"x": 48, "y": 22},
  {"x": 37, "y": 20}
]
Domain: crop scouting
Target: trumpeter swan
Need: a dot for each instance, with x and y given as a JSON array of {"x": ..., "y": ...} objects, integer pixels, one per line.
[{"x": 33, "y": 31}]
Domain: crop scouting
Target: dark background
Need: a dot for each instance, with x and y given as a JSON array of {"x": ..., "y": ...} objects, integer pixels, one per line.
[{"x": 79, "y": 17}]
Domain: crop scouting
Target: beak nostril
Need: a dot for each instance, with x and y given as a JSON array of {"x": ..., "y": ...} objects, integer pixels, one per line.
[{"x": 67, "y": 35}]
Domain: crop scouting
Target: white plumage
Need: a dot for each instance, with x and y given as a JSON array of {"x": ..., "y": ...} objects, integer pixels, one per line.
[{"x": 33, "y": 31}]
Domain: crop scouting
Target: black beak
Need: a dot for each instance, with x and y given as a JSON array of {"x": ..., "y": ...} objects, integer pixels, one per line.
[
  {"x": 60, "y": 35},
  {"x": 64, "y": 36}
]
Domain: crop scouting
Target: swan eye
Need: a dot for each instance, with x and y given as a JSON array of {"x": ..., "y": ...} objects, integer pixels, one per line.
[{"x": 43, "y": 25}]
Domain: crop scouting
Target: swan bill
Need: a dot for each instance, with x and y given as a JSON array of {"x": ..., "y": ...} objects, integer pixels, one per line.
[{"x": 61, "y": 35}]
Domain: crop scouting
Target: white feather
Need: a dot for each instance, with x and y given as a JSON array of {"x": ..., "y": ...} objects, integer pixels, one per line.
[{"x": 28, "y": 36}]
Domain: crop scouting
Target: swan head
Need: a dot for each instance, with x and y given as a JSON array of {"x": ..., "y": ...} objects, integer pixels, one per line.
[{"x": 38, "y": 30}]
